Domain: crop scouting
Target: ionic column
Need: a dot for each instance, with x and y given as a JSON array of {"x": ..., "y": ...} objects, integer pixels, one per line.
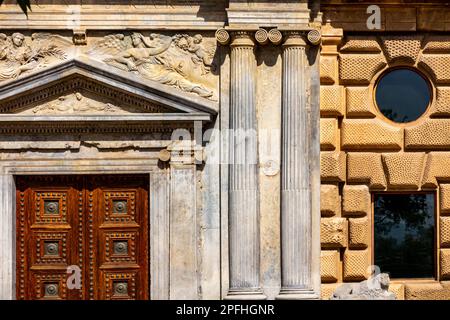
[
  {"x": 243, "y": 172},
  {"x": 296, "y": 213}
]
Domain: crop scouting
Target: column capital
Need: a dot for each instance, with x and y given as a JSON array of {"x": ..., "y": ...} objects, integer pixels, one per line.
[
  {"x": 242, "y": 38},
  {"x": 236, "y": 38},
  {"x": 294, "y": 38}
]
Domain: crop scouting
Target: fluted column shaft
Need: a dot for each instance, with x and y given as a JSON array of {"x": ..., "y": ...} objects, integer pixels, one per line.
[
  {"x": 243, "y": 172},
  {"x": 296, "y": 223}
]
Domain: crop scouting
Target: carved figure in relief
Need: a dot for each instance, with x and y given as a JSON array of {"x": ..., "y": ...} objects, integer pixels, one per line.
[
  {"x": 17, "y": 56},
  {"x": 75, "y": 103},
  {"x": 154, "y": 58}
]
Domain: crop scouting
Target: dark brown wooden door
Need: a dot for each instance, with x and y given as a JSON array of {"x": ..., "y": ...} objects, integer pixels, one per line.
[{"x": 97, "y": 225}]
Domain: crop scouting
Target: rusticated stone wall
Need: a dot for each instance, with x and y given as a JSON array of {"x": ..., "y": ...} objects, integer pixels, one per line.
[{"x": 363, "y": 152}]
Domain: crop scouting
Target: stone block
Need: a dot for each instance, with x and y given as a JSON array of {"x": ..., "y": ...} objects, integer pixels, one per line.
[
  {"x": 444, "y": 231},
  {"x": 437, "y": 44},
  {"x": 398, "y": 289},
  {"x": 333, "y": 232},
  {"x": 404, "y": 48},
  {"x": 361, "y": 44},
  {"x": 328, "y": 133},
  {"x": 330, "y": 203},
  {"x": 328, "y": 69},
  {"x": 444, "y": 258},
  {"x": 329, "y": 265},
  {"x": 356, "y": 264},
  {"x": 403, "y": 170},
  {"x": 360, "y": 68},
  {"x": 438, "y": 66},
  {"x": 366, "y": 168},
  {"x": 441, "y": 108},
  {"x": 428, "y": 135},
  {"x": 332, "y": 101},
  {"x": 356, "y": 200},
  {"x": 373, "y": 134},
  {"x": 359, "y": 233},
  {"x": 359, "y": 104},
  {"x": 426, "y": 291},
  {"x": 437, "y": 166},
  {"x": 444, "y": 199},
  {"x": 327, "y": 290},
  {"x": 332, "y": 166}
]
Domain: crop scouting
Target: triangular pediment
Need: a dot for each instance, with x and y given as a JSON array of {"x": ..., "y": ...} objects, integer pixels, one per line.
[{"x": 84, "y": 88}]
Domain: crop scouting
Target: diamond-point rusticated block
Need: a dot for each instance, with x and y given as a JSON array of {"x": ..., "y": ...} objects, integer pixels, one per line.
[
  {"x": 329, "y": 265},
  {"x": 370, "y": 134},
  {"x": 356, "y": 200},
  {"x": 356, "y": 265},
  {"x": 444, "y": 230},
  {"x": 332, "y": 101},
  {"x": 328, "y": 133},
  {"x": 330, "y": 203},
  {"x": 445, "y": 263},
  {"x": 332, "y": 166},
  {"x": 359, "y": 232},
  {"x": 366, "y": 168},
  {"x": 444, "y": 199},
  {"x": 333, "y": 232}
]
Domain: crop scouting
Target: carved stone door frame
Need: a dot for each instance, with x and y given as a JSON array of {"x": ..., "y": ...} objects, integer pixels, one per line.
[{"x": 158, "y": 216}]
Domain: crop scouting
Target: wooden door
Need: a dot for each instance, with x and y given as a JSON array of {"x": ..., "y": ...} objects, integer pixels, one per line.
[{"x": 97, "y": 225}]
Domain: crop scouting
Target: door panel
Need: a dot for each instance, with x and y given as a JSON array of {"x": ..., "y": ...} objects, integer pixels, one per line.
[{"x": 98, "y": 223}]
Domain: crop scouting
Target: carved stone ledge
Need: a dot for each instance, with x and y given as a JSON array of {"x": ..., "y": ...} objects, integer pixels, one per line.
[
  {"x": 183, "y": 152},
  {"x": 79, "y": 37}
]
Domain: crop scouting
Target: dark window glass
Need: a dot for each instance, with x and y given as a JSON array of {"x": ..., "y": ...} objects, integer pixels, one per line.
[
  {"x": 404, "y": 235},
  {"x": 402, "y": 95}
]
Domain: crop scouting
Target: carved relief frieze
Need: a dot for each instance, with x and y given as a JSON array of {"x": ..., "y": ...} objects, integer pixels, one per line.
[
  {"x": 181, "y": 61},
  {"x": 20, "y": 54}
]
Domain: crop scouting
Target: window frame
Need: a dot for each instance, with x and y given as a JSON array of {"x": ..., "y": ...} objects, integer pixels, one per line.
[
  {"x": 417, "y": 70},
  {"x": 436, "y": 234}
]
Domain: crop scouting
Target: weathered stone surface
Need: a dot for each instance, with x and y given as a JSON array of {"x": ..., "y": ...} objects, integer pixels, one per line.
[
  {"x": 404, "y": 48},
  {"x": 332, "y": 166},
  {"x": 375, "y": 288},
  {"x": 444, "y": 263},
  {"x": 360, "y": 68},
  {"x": 356, "y": 264},
  {"x": 428, "y": 135},
  {"x": 444, "y": 230},
  {"x": 438, "y": 66},
  {"x": 327, "y": 290},
  {"x": 333, "y": 232},
  {"x": 426, "y": 291},
  {"x": 403, "y": 170},
  {"x": 355, "y": 200},
  {"x": 328, "y": 133},
  {"x": 359, "y": 103},
  {"x": 444, "y": 199},
  {"x": 364, "y": 134},
  {"x": 329, "y": 265},
  {"x": 361, "y": 44},
  {"x": 437, "y": 166},
  {"x": 332, "y": 101},
  {"x": 328, "y": 70},
  {"x": 359, "y": 232},
  {"x": 25, "y": 55},
  {"x": 441, "y": 107},
  {"x": 330, "y": 203},
  {"x": 437, "y": 44},
  {"x": 398, "y": 289},
  {"x": 366, "y": 168}
]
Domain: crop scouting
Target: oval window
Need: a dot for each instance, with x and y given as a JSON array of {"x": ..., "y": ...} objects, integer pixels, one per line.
[{"x": 402, "y": 95}]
